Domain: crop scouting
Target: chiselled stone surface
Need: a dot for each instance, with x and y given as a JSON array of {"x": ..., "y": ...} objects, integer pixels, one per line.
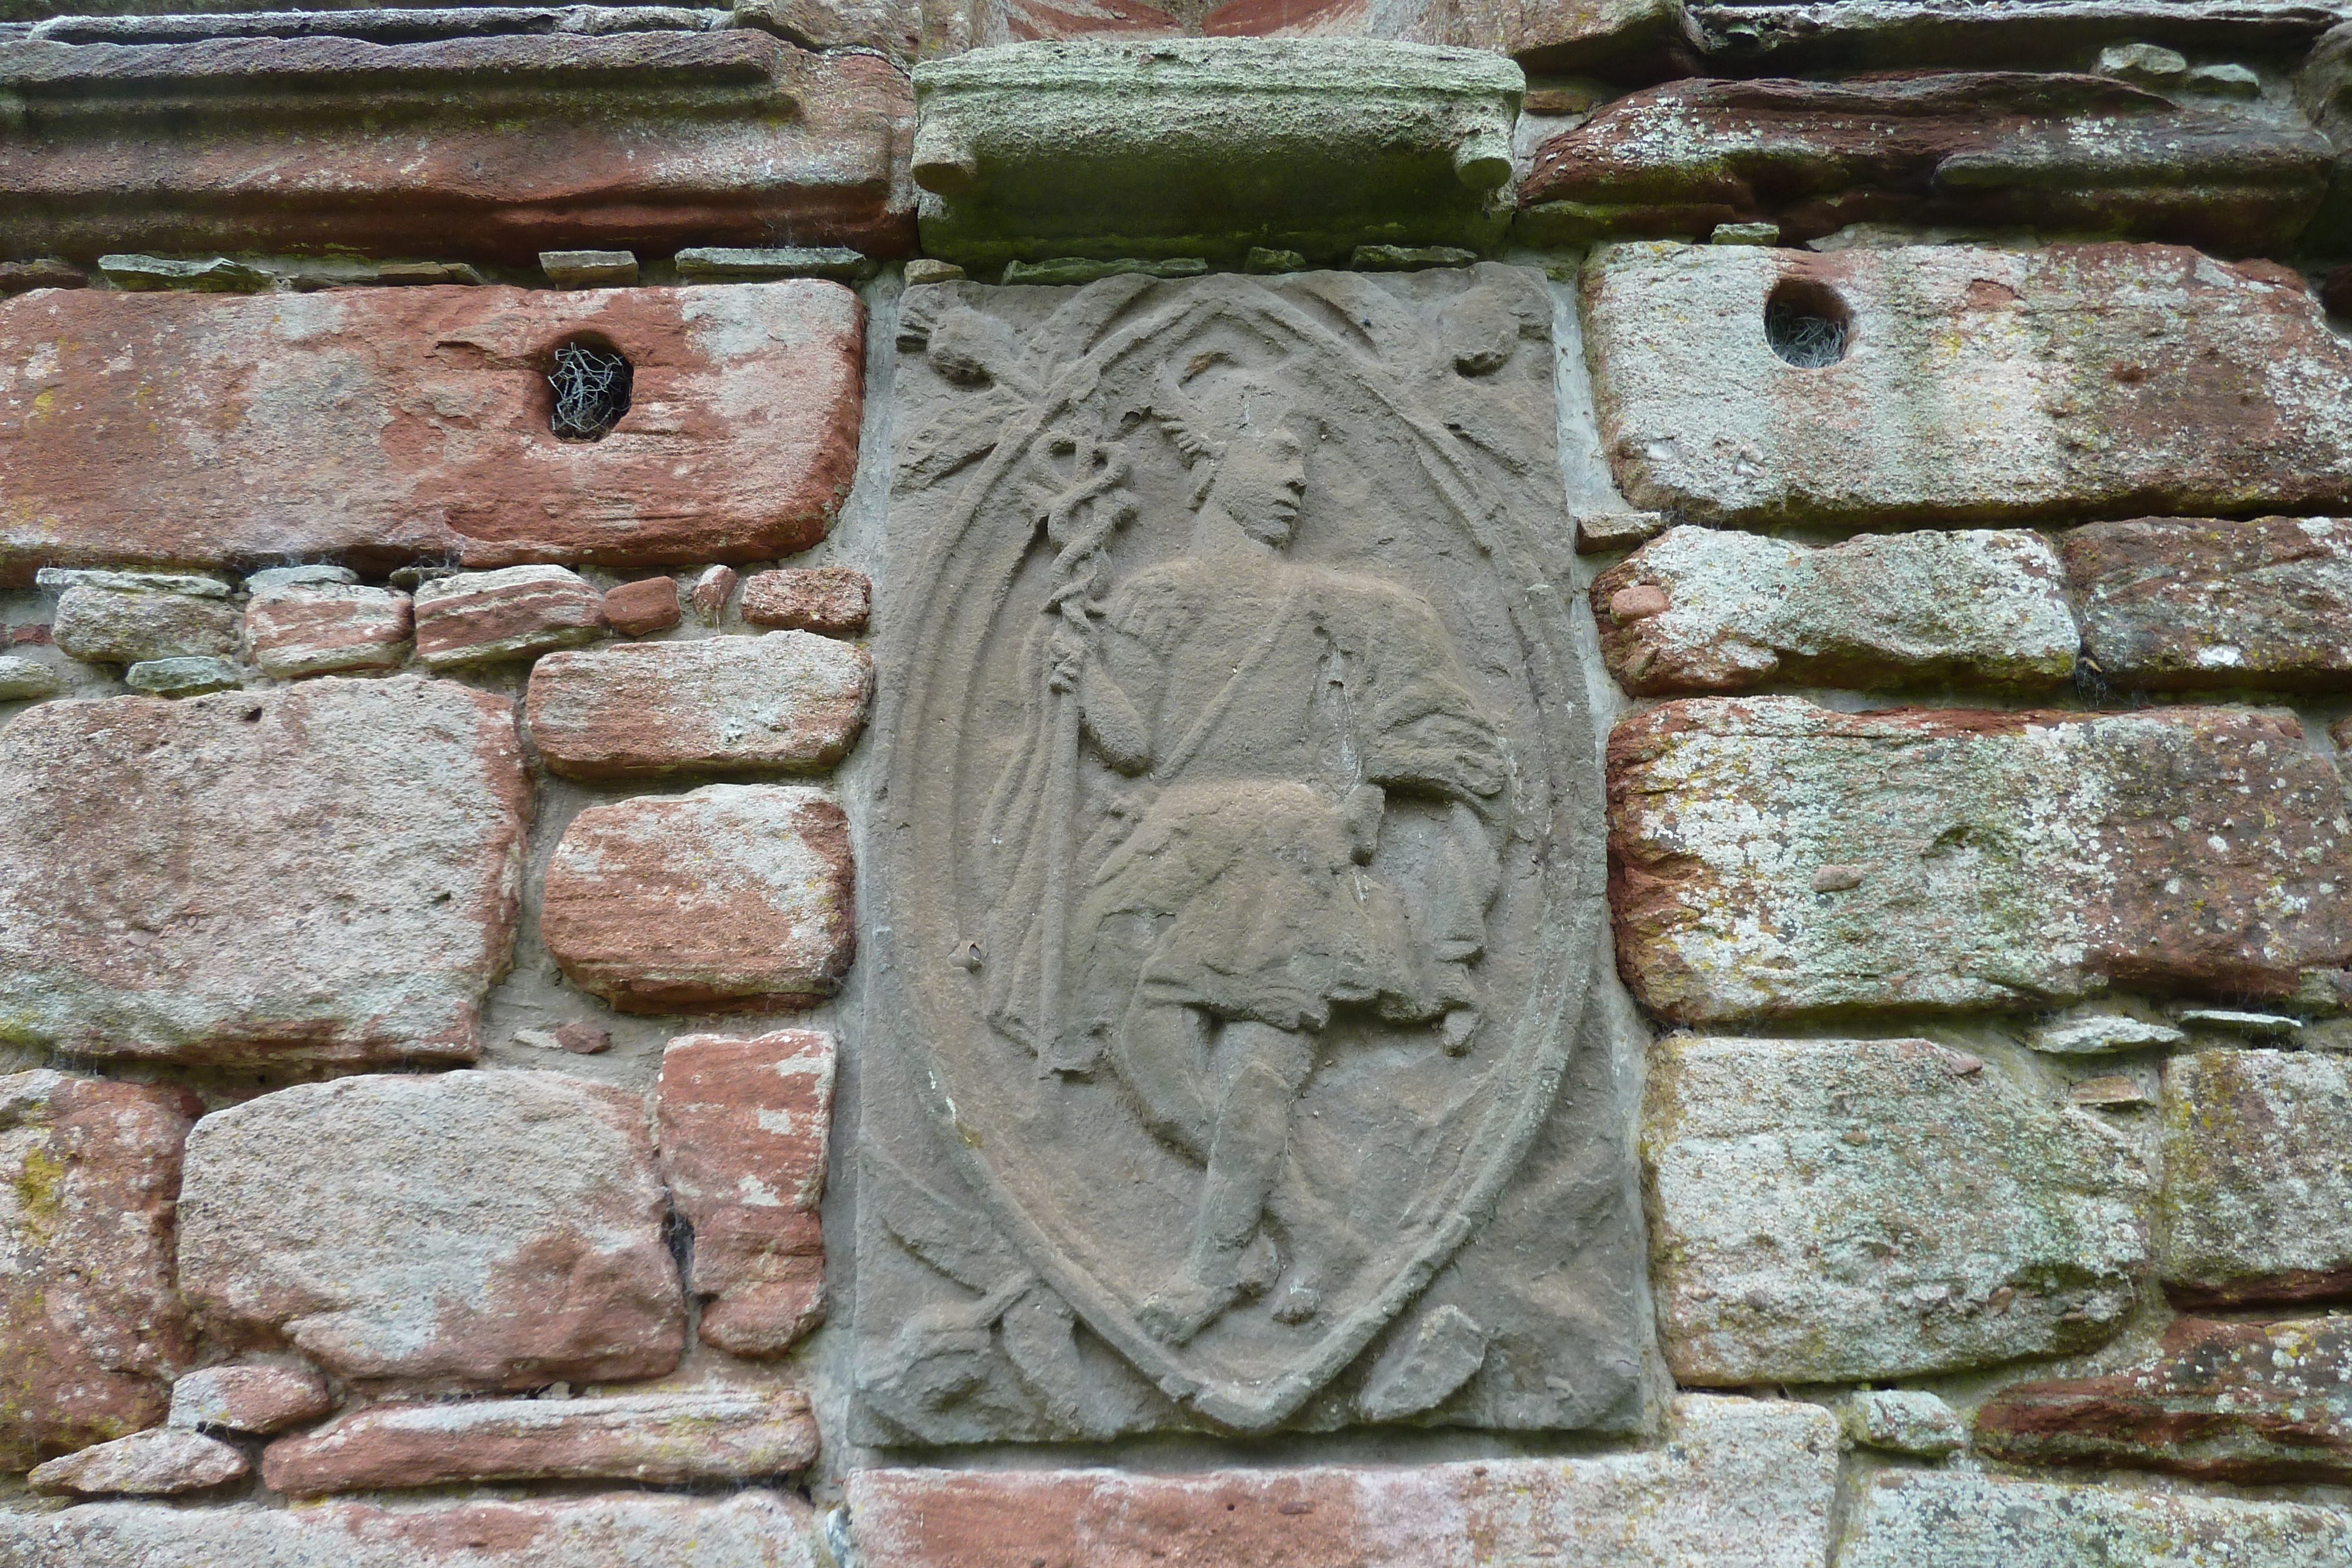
[
  {"x": 2257, "y": 1195},
  {"x": 1204, "y": 147},
  {"x": 113, "y": 628},
  {"x": 1771, "y": 858},
  {"x": 732, "y": 896},
  {"x": 1625, "y": 40},
  {"x": 1836, "y": 1210},
  {"x": 629, "y": 1530},
  {"x": 515, "y": 613},
  {"x": 90, "y": 1329},
  {"x": 154, "y": 1463},
  {"x": 2068, "y": 153},
  {"x": 1956, "y": 1519},
  {"x": 1239, "y": 909},
  {"x": 643, "y": 607},
  {"x": 788, "y": 700},
  {"x": 658, "y": 1439},
  {"x": 2221, "y": 1401},
  {"x": 1742, "y": 1483},
  {"x": 323, "y": 627},
  {"x": 491, "y": 148},
  {"x": 324, "y": 872},
  {"x": 1976, "y": 385},
  {"x": 263, "y": 1397},
  {"x": 1731, "y": 610},
  {"x": 833, "y": 600},
  {"x": 491, "y": 1230},
  {"x": 379, "y": 426},
  {"x": 743, "y": 1126},
  {"x": 2179, "y": 603}
]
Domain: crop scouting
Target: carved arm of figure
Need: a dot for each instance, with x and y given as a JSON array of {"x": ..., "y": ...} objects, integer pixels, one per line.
[{"x": 1111, "y": 719}]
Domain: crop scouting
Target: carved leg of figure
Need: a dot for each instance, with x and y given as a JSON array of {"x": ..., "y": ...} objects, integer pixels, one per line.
[
  {"x": 1162, "y": 1053},
  {"x": 1266, "y": 1067}
]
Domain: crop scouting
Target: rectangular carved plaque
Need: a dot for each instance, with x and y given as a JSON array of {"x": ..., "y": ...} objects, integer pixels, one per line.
[{"x": 1235, "y": 1061}]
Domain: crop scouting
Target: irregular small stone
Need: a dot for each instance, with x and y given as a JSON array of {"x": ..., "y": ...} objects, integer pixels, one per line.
[
  {"x": 90, "y": 1327},
  {"x": 923, "y": 270},
  {"x": 2116, "y": 1092},
  {"x": 182, "y": 677},
  {"x": 625, "y": 1530},
  {"x": 154, "y": 1463},
  {"x": 712, "y": 704},
  {"x": 1740, "y": 1481},
  {"x": 2014, "y": 859},
  {"x": 58, "y": 578},
  {"x": 492, "y": 1229},
  {"x": 743, "y": 1126},
  {"x": 22, "y": 678},
  {"x": 732, "y": 896},
  {"x": 2251, "y": 1403},
  {"x": 589, "y": 268},
  {"x": 1736, "y": 609},
  {"x": 1408, "y": 257},
  {"x": 110, "y": 628},
  {"x": 271, "y": 579},
  {"x": 1597, "y": 532},
  {"x": 317, "y": 628},
  {"x": 2053, "y": 381},
  {"x": 711, "y": 591},
  {"x": 2227, "y": 81},
  {"x": 739, "y": 441},
  {"x": 2259, "y": 1026},
  {"x": 1844, "y": 1209},
  {"x": 1903, "y": 1421},
  {"x": 736, "y": 264},
  {"x": 832, "y": 600},
  {"x": 2099, "y": 1033},
  {"x": 218, "y": 275},
  {"x": 1084, "y": 269},
  {"x": 2180, "y": 604},
  {"x": 1378, "y": 142},
  {"x": 2257, "y": 1197},
  {"x": 642, "y": 608},
  {"x": 584, "y": 1038},
  {"x": 326, "y": 872},
  {"x": 1262, "y": 261},
  {"x": 1959, "y": 1519},
  {"x": 2151, "y": 63},
  {"x": 43, "y": 272},
  {"x": 518, "y": 612},
  {"x": 263, "y": 1397},
  {"x": 1970, "y": 149},
  {"x": 652, "y": 1438},
  {"x": 1744, "y": 234}
]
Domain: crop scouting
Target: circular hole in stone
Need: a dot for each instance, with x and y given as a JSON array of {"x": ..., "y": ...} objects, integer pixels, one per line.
[
  {"x": 590, "y": 381},
  {"x": 1806, "y": 323}
]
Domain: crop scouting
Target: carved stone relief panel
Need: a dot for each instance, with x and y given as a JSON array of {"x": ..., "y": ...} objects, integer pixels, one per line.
[{"x": 1238, "y": 874}]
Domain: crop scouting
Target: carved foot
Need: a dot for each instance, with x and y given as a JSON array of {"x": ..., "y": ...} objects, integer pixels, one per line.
[
  {"x": 1174, "y": 1315},
  {"x": 1298, "y": 1303}
]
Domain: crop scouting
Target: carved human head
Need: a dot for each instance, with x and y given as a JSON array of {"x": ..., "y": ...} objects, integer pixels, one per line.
[{"x": 1251, "y": 463}]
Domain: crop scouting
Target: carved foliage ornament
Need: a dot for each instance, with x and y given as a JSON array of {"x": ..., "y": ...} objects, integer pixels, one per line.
[{"x": 1241, "y": 874}]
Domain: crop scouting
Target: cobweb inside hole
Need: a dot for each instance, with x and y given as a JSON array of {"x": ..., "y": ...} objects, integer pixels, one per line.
[
  {"x": 1806, "y": 325},
  {"x": 591, "y": 391}
]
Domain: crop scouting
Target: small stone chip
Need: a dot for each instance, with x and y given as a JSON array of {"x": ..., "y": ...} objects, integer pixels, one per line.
[
  {"x": 2097, "y": 1033},
  {"x": 181, "y": 677},
  {"x": 1745, "y": 234},
  {"x": 589, "y": 268},
  {"x": 642, "y": 608},
  {"x": 2112, "y": 1092},
  {"x": 1262, "y": 260},
  {"x": 731, "y": 264},
  {"x": 1084, "y": 269},
  {"x": 2236, "y": 1022},
  {"x": 1903, "y": 1421},
  {"x": 216, "y": 275},
  {"x": 21, "y": 678},
  {"x": 1597, "y": 532},
  {"x": 923, "y": 270},
  {"x": 1409, "y": 258},
  {"x": 712, "y": 589}
]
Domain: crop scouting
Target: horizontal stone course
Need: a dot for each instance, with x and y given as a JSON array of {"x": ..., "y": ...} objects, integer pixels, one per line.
[
  {"x": 1972, "y": 386},
  {"x": 379, "y": 427},
  {"x": 491, "y": 1229},
  {"x": 2185, "y": 604},
  {"x": 324, "y": 873},
  {"x": 657, "y": 1438},
  {"x": 1957, "y": 1519},
  {"x": 1861, "y": 1210},
  {"x": 785, "y": 700},
  {"x": 2257, "y": 1197},
  {"x": 1741, "y": 1484},
  {"x": 1771, "y": 858},
  {"x": 1704, "y": 610}
]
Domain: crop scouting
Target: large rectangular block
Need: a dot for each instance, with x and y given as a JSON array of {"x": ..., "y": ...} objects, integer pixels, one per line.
[
  {"x": 1957, "y": 1519},
  {"x": 325, "y": 872},
  {"x": 383, "y": 426},
  {"x": 489, "y": 148},
  {"x": 1205, "y": 146},
  {"x": 1963, "y": 385},
  {"x": 1743, "y": 1483},
  {"x": 1774, "y": 859},
  {"x": 1827, "y": 1211},
  {"x": 2257, "y": 1197}
]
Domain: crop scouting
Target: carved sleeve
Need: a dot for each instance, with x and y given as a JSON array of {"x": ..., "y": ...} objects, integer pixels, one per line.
[
  {"x": 1121, "y": 683},
  {"x": 1426, "y": 732}
]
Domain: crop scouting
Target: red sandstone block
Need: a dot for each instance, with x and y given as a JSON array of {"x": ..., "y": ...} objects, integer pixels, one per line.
[
  {"x": 642, "y": 608},
  {"x": 325, "y": 627},
  {"x": 482, "y": 617},
  {"x": 744, "y": 1125},
  {"x": 377, "y": 427},
  {"x": 832, "y": 600}
]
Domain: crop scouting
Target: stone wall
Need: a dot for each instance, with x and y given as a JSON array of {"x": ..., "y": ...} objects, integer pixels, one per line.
[{"x": 858, "y": 785}]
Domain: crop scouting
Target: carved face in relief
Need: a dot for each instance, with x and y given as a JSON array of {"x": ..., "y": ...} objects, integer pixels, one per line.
[{"x": 1260, "y": 483}]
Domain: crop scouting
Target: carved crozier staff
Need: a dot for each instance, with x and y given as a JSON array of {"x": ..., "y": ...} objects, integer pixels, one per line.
[{"x": 1078, "y": 526}]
